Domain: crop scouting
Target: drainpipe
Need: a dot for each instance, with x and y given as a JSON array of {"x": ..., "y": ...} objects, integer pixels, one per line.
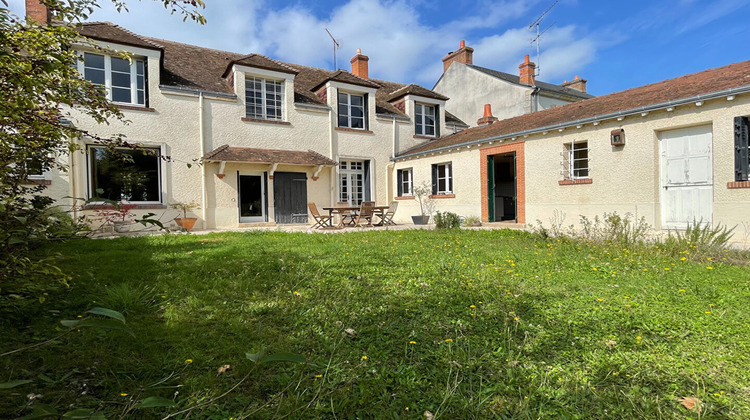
[
  {"x": 202, "y": 139},
  {"x": 535, "y": 99}
]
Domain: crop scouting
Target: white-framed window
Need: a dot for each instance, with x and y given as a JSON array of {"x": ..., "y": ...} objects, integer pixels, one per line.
[
  {"x": 442, "y": 178},
  {"x": 125, "y": 174},
  {"x": 575, "y": 160},
  {"x": 352, "y": 109},
  {"x": 405, "y": 181},
  {"x": 34, "y": 169},
  {"x": 123, "y": 80},
  {"x": 354, "y": 176},
  {"x": 263, "y": 98},
  {"x": 425, "y": 120}
]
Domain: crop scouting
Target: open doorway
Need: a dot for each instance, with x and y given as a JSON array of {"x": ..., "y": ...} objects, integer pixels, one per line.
[{"x": 502, "y": 193}]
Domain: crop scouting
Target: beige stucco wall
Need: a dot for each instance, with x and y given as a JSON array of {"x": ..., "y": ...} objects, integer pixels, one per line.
[
  {"x": 175, "y": 127},
  {"x": 466, "y": 183},
  {"x": 471, "y": 89}
]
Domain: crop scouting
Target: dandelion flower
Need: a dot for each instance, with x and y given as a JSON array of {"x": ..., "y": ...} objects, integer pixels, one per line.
[
  {"x": 709, "y": 268},
  {"x": 412, "y": 342},
  {"x": 364, "y": 357},
  {"x": 318, "y": 376},
  {"x": 472, "y": 306},
  {"x": 448, "y": 340},
  {"x": 682, "y": 290},
  {"x": 123, "y": 394},
  {"x": 188, "y": 361},
  {"x": 639, "y": 338}
]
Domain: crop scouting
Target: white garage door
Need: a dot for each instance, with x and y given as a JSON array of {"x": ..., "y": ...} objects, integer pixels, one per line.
[{"x": 686, "y": 177}]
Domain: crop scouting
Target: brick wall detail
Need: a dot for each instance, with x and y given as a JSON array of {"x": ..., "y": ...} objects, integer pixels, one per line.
[{"x": 517, "y": 147}]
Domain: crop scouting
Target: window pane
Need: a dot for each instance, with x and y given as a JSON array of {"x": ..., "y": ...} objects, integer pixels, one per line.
[
  {"x": 141, "y": 97},
  {"x": 139, "y": 67},
  {"x": 123, "y": 179},
  {"x": 120, "y": 95},
  {"x": 95, "y": 76},
  {"x": 93, "y": 60},
  {"x": 358, "y": 123},
  {"x": 357, "y": 100},
  {"x": 343, "y": 121},
  {"x": 118, "y": 64},
  {"x": 429, "y": 131},
  {"x": 357, "y": 112},
  {"x": 121, "y": 80},
  {"x": 343, "y": 99}
]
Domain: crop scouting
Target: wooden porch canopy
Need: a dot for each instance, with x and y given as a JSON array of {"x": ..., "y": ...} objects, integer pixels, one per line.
[{"x": 274, "y": 157}]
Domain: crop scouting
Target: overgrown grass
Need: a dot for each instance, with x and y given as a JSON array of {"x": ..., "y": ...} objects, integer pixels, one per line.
[{"x": 463, "y": 324}]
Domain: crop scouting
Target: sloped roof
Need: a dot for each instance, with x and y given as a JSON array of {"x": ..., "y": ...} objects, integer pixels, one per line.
[
  {"x": 544, "y": 86},
  {"x": 672, "y": 91},
  {"x": 246, "y": 154},
  {"x": 194, "y": 67},
  {"x": 108, "y": 31},
  {"x": 413, "y": 89}
]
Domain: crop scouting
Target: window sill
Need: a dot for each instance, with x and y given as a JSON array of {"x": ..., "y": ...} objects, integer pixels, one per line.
[
  {"x": 353, "y": 130},
  {"x": 576, "y": 181},
  {"x": 404, "y": 197},
  {"x": 443, "y": 196},
  {"x": 37, "y": 182},
  {"x": 738, "y": 184},
  {"x": 137, "y": 207},
  {"x": 417, "y": 136},
  {"x": 134, "y": 108},
  {"x": 258, "y": 120}
]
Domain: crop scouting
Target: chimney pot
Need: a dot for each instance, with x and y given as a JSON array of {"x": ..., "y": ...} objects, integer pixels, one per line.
[
  {"x": 38, "y": 12},
  {"x": 577, "y": 83},
  {"x": 487, "y": 118},
  {"x": 464, "y": 55},
  {"x": 359, "y": 65},
  {"x": 527, "y": 72}
]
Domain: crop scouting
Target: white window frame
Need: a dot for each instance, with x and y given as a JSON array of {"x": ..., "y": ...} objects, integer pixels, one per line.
[
  {"x": 407, "y": 186},
  {"x": 420, "y": 120},
  {"x": 108, "y": 77},
  {"x": 448, "y": 178},
  {"x": 160, "y": 166},
  {"x": 569, "y": 160},
  {"x": 264, "y": 82},
  {"x": 349, "y": 106}
]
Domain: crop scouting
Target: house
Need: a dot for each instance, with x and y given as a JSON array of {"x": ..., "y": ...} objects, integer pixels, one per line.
[
  {"x": 269, "y": 136},
  {"x": 673, "y": 152},
  {"x": 470, "y": 87}
]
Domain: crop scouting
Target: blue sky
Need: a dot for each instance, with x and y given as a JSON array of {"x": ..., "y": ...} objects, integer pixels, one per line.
[{"x": 616, "y": 45}]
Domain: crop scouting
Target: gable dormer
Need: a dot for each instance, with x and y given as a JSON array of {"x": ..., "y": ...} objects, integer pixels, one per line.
[
  {"x": 425, "y": 107},
  {"x": 352, "y": 97},
  {"x": 264, "y": 86}
]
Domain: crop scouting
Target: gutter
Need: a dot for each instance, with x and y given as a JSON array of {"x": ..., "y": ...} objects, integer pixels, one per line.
[
  {"x": 625, "y": 113},
  {"x": 197, "y": 92}
]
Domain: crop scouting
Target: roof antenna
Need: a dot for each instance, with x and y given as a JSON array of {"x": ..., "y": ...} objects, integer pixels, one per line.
[
  {"x": 335, "y": 46},
  {"x": 537, "y": 23}
]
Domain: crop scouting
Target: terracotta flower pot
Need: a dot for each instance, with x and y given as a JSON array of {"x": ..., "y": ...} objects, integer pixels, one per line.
[{"x": 186, "y": 222}]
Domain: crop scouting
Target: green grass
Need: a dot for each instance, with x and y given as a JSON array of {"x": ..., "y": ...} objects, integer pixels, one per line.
[{"x": 464, "y": 324}]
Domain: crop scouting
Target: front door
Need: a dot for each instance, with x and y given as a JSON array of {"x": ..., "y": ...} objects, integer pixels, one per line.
[
  {"x": 354, "y": 181},
  {"x": 501, "y": 183},
  {"x": 290, "y": 197},
  {"x": 686, "y": 177},
  {"x": 252, "y": 198}
]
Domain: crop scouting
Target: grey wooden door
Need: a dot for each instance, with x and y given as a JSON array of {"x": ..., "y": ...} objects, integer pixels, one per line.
[{"x": 290, "y": 197}]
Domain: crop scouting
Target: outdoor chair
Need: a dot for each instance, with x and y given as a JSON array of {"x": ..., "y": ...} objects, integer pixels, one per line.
[
  {"x": 347, "y": 216},
  {"x": 366, "y": 212},
  {"x": 320, "y": 221},
  {"x": 386, "y": 218}
]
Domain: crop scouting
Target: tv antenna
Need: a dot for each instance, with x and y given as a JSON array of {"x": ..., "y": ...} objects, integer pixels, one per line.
[
  {"x": 335, "y": 46},
  {"x": 536, "y": 24}
]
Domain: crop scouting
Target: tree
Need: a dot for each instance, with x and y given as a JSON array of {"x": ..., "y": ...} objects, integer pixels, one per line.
[{"x": 39, "y": 87}]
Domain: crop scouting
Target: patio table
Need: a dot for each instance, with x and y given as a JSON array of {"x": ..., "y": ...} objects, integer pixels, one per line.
[{"x": 337, "y": 210}]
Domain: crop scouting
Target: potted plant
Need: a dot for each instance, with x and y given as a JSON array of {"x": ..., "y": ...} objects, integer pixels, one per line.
[
  {"x": 117, "y": 214},
  {"x": 423, "y": 195},
  {"x": 185, "y": 222}
]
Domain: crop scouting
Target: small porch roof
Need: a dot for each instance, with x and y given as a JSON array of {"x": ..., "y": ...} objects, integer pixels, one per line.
[{"x": 250, "y": 155}]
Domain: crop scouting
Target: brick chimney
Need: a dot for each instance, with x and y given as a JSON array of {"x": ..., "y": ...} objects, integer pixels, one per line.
[
  {"x": 37, "y": 11},
  {"x": 487, "y": 118},
  {"x": 577, "y": 83},
  {"x": 463, "y": 55},
  {"x": 359, "y": 64},
  {"x": 528, "y": 69}
]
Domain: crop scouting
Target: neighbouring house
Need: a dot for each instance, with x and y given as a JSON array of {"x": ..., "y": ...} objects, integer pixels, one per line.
[
  {"x": 271, "y": 136},
  {"x": 470, "y": 87},
  {"x": 673, "y": 152}
]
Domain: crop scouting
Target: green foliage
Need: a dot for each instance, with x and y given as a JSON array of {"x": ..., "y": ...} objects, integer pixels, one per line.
[
  {"x": 615, "y": 229},
  {"x": 463, "y": 324},
  {"x": 471, "y": 221},
  {"x": 700, "y": 237},
  {"x": 447, "y": 220}
]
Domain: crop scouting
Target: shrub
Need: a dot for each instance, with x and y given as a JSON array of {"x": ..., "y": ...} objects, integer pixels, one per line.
[
  {"x": 447, "y": 220},
  {"x": 613, "y": 228},
  {"x": 701, "y": 237},
  {"x": 471, "y": 221}
]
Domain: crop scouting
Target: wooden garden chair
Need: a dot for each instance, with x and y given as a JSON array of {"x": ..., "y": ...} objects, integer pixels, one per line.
[
  {"x": 386, "y": 218},
  {"x": 366, "y": 212},
  {"x": 320, "y": 221},
  {"x": 347, "y": 216}
]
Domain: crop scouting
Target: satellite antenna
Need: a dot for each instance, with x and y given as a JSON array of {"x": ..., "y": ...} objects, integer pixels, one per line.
[
  {"x": 536, "y": 24},
  {"x": 335, "y": 46}
]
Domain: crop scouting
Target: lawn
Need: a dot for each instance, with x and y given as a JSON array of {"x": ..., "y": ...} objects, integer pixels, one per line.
[{"x": 463, "y": 324}]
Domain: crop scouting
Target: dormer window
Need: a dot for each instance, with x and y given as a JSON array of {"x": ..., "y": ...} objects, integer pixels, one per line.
[
  {"x": 425, "y": 120},
  {"x": 263, "y": 98},
  {"x": 352, "y": 110},
  {"x": 123, "y": 80}
]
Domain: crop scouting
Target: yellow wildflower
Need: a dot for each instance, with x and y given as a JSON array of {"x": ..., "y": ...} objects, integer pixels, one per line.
[
  {"x": 448, "y": 340},
  {"x": 188, "y": 361}
]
